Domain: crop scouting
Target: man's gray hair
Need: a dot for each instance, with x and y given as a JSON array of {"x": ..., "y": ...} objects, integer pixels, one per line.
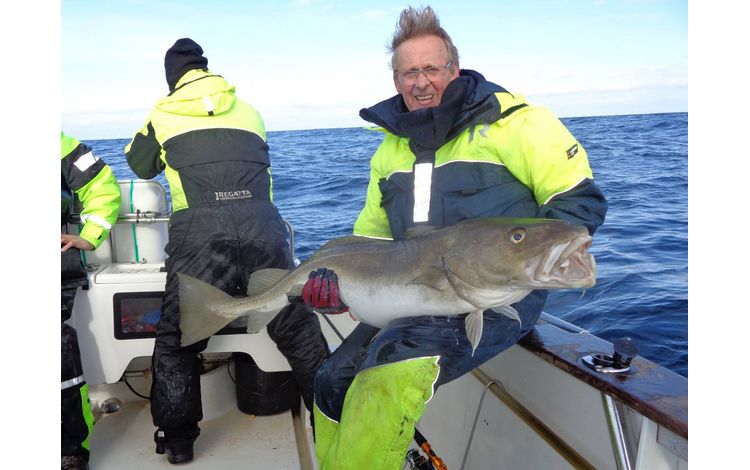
[{"x": 415, "y": 23}]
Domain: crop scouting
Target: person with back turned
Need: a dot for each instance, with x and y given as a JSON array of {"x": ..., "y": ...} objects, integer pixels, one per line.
[
  {"x": 212, "y": 147},
  {"x": 87, "y": 178},
  {"x": 455, "y": 147}
]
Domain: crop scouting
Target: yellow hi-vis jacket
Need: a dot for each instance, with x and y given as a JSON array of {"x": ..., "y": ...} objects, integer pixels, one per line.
[
  {"x": 511, "y": 159},
  {"x": 92, "y": 180},
  {"x": 203, "y": 122}
]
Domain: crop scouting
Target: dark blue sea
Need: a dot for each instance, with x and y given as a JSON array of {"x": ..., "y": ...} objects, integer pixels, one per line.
[{"x": 639, "y": 161}]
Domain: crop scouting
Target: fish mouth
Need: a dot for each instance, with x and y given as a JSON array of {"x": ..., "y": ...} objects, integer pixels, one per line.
[{"x": 568, "y": 264}]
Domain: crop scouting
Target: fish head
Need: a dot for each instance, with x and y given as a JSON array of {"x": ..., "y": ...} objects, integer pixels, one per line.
[{"x": 534, "y": 254}]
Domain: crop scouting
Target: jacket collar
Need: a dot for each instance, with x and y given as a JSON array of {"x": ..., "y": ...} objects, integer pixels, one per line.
[{"x": 467, "y": 100}]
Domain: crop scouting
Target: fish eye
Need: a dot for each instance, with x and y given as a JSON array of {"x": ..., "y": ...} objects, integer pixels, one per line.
[{"x": 517, "y": 234}]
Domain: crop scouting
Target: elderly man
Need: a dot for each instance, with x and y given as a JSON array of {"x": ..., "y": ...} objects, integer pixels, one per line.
[{"x": 456, "y": 146}]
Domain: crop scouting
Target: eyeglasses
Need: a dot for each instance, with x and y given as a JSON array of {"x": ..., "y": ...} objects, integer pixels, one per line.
[{"x": 431, "y": 72}]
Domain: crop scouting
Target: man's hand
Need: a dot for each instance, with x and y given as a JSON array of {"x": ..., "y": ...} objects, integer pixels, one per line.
[
  {"x": 321, "y": 292},
  {"x": 74, "y": 241}
]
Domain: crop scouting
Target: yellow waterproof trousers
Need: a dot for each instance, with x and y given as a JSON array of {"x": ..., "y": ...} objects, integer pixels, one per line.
[{"x": 386, "y": 401}]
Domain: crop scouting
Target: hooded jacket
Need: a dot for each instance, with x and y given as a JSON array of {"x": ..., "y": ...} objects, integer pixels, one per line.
[
  {"x": 202, "y": 121},
  {"x": 91, "y": 180},
  {"x": 482, "y": 152}
]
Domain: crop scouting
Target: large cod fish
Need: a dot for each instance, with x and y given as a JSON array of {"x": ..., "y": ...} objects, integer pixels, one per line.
[{"x": 469, "y": 267}]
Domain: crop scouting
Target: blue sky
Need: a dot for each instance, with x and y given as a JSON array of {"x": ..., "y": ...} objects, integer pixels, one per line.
[{"x": 314, "y": 63}]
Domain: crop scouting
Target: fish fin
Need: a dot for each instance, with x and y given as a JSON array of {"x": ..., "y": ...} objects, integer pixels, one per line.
[
  {"x": 200, "y": 307},
  {"x": 434, "y": 277},
  {"x": 256, "y": 321},
  {"x": 263, "y": 279},
  {"x": 343, "y": 245},
  {"x": 509, "y": 312},
  {"x": 259, "y": 317},
  {"x": 419, "y": 230},
  {"x": 353, "y": 315},
  {"x": 461, "y": 287},
  {"x": 474, "y": 324},
  {"x": 348, "y": 240}
]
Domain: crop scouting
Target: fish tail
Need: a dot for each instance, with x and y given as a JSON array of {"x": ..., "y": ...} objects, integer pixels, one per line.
[
  {"x": 262, "y": 314},
  {"x": 201, "y": 307}
]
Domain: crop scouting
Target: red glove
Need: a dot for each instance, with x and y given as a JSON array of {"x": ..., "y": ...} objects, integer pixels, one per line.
[{"x": 321, "y": 292}]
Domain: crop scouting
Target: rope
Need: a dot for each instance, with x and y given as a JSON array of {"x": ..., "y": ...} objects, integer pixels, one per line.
[
  {"x": 132, "y": 226},
  {"x": 125, "y": 379}
]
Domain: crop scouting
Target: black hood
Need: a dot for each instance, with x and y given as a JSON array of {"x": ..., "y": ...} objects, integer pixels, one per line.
[{"x": 467, "y": 99}]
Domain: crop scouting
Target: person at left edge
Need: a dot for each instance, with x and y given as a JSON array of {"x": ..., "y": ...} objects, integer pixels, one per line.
[
  {"x": 87, "y": 177},
  {"x": 212, "y": 147}
]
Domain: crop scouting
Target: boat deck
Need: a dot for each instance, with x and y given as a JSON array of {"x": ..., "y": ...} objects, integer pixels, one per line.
[{"x": 229, "y": 438}]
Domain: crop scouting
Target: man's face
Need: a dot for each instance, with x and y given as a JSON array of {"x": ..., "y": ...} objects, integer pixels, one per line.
[{"x": 420, "y": 74}]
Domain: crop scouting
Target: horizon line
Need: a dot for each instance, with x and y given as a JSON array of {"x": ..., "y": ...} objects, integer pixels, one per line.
[{"x": 366, "y": 127}]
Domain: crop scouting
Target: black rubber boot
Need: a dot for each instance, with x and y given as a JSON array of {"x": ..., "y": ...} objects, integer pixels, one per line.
[
  {"x": 179, "y": 452},
  {"x": 160, "y": 440},
  {"x": 74, "y": 462}
]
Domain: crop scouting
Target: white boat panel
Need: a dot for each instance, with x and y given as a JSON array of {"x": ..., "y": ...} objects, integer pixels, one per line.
[
  {"x": 571, "y": 408},
  {"x": 128, "y": 273},
  {"x": 500, "y": 441},
  {"x": 654, "y": 456}
]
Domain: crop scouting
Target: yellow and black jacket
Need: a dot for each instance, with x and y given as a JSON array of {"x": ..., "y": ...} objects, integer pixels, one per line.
[
  {"x": 91, "y": 180},
  {"x": 87, "y": 177},
  {"x": 489, "y": 153},
  {"x": 202, "y": 122}
]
